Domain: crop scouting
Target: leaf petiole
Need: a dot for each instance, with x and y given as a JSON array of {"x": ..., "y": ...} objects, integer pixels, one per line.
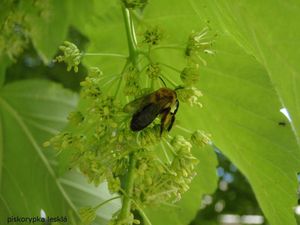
[
  {"x": 106, "y": 54},
  {"x": 105, "y": 202}
]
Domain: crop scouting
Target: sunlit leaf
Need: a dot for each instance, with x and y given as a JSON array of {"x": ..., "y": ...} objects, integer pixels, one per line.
[
  {"x": 270, "y": 32},
  {"x": 31, "y": 112},
  {"x": 241, "y": 109}
]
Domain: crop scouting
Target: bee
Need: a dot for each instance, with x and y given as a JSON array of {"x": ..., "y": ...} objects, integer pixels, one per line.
[{"x": 162, "y": 102}]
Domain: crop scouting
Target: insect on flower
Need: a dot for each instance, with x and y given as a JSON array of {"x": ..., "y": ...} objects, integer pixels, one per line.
[{"x": 162, "y": 102}]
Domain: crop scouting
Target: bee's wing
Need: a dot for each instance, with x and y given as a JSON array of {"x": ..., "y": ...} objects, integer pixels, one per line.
[
  {"x": 144, "y": 117},
  {"x": 136, "y": 104}
]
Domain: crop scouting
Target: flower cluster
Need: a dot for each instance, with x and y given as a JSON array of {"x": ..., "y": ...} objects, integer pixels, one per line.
[
  {"x": 200, "y": 138},
  {"x": 153, "y": 70},
  {"x": 184, "y": 164},
  {"x": 190, "y": 74},
  {"x": 75, "y": 118},
  {"x": 61, "y": 142},
  {"x": 159, "y": 181},
  {"x": 71, "y": 56},
  {"x": 150, "y": 174},
  {"x": 98, "y": 146},
  {"x": 153, "y": 36},
  {"x": 198, "y": 43},
  {"x": 91, "y": 85},
  {"x": 16, "y": 25},
  {"x": 13, "y": 34},
  {"x": 189, "y": 95},
  {"x": 132, "y": 85},
  {"x": 149, "y": 136}
]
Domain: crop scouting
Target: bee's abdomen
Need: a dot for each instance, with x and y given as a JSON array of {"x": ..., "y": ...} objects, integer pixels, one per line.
[
  {"x": 143, "y": 118},
  {"x": 136, "y": 126}
]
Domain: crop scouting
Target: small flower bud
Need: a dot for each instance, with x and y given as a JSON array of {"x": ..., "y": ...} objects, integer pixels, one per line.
[
  {"x": 71, "y": 57},
  {"x": 153, "y": 36},
  {"x": 132, "y": 85},
  {"x": 179, "y": 143},
  {"x": 75, "y": 117},
  {"x": 200, "y": 138},
  {"x": 190, "y": 75},
  {"x": 149, "y": 136},
  {"x": 95, "y": 72},
  {"x": 114, "y": 184},
  {"x": 46, "y": 144},
  {"x": 91, "y": 84},
  {"x": 153, "y": 71}
]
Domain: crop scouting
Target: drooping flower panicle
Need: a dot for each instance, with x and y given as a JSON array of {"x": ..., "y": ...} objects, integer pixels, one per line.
[{"x": 100, "y": 143}]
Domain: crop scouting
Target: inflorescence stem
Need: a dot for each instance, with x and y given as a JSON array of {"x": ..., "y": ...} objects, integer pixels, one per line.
[
  {"x": 126, "y": 206},
  {"x": 133, "y": 57},
  {"x": 131, "y": 38},
  {"x": 105, "y": 54}
]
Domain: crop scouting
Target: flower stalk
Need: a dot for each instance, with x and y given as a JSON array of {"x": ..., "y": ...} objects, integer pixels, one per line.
[
  {"x": 131, "y": 37},
  {"x": 129, "y": 183},
  {"x": 133, "y": 57}
]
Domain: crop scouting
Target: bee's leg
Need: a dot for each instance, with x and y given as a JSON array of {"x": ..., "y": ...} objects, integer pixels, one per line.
[
  {"x": 164, "y": 119},
  {"x": 172, "y": 115},
  {"x": 177, "y": 107}
]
